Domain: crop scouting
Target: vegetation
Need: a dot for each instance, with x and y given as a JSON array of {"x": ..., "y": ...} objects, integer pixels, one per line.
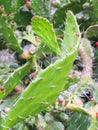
[{"x": 48, "y": 65}]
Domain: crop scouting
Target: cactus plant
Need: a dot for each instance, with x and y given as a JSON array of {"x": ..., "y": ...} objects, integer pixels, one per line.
[
  {"x": 86, "y": 53},
  {"x": 44, "y": 90},
  {"x": 41, "y": 7},
  {"x": 39, "y": 97},
  {"x": 55, "y": 55},
  {"x": 81, "y": 122},
  {"x": 60, "y": 13},
  {"x": 45, "y": 86},
  {"x": 14, "y": 79},
  {"x": 42, "y": 26},
  {"x": 22, "y": 18},
  {"x": 72, "y": 32},
  {"x": 85, "y": 12},
  {"x": 92, "y": 31},
  {"x": 7, "y": 5},
  {"x": 18, "y": 4},
  {"x": 94, "y": 16},
  {"x": 9, "y": 35}
]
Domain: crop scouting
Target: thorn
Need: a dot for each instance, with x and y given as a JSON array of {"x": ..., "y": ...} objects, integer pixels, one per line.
[
  {"x": 6, "y": 109},
  {"x": 41, "y": 78},
  {"x": 77, "y": 35},
  {"x": 4, "y": 14},
  {"x": 35, "y": 16},
  {"x": 21, "y": 117},
  {"x": 2, "y": 88},
  {"x": 21, "y": 98},
  {"x": 58, "y": 68},
  {"x": 52, "y": 86},
  {"x": 10, "y": 119},
  {"x": 44, "y": 102},
  {"x": 31, "y": 98},
  {"x": 67, "y": 53},
  {"x": 5, "y": 127}
]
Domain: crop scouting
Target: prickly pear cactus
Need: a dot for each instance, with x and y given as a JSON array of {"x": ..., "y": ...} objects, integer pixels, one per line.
[
  {"x": 8, "y": 32},
  {"x": 71, "y": 35},
  {"x": 85, "y": 11},
  {"x": 41, "y": 7},
  {"x": 41, "y": 92},
  {"x": 7, "y": 5},
  {"x": 44, "y": 30},
  {"x": 60, "y": 13},
  {"x": 92, "y": 31},
  {"x": 14, "y": 79},
  {"x": 81, "y": 122},
  {"x": 94, "y": 15},
  {"x": 17, "y": 4},
  {"x": 45, "y": 88},
  {"x": 94, "y": 125},
  {"x": 55, "y": 125}
]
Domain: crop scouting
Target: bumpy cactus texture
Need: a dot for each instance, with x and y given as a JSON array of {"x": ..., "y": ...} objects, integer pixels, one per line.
[
  {"x": 44, "y": 30},
  {"x": 71, "y": 35},
  {"x": 41, "y": 92},
  {"x": 44, "y": 90}
]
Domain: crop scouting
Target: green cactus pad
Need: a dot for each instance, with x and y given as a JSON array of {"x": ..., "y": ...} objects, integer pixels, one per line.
[
  {"x": 41, "y": 92},
  {"x": 44, "y": 30},
  {"x": 94, "y": 15},
  {"x": 93, "y": 125},
  {"x": 71, "y": 34},
  {"x": 79, "y": 122},
  {"x": 14, "y": 79}
]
